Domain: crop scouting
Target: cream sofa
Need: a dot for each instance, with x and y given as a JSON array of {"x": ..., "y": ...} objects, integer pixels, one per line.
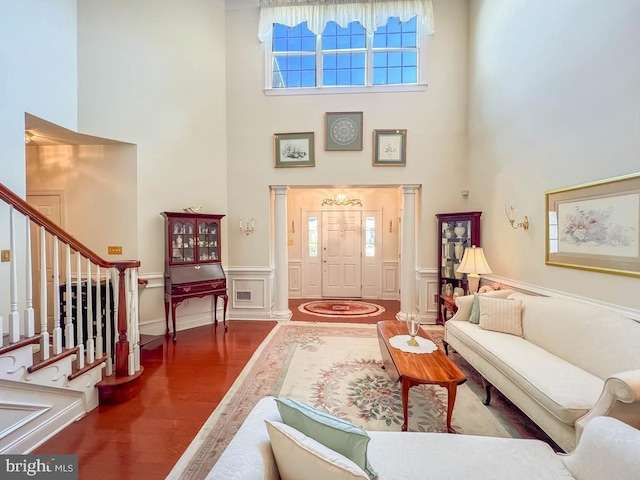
[
  {"x": 574, "y": 361},
  {"x": 608, "y": 449}
]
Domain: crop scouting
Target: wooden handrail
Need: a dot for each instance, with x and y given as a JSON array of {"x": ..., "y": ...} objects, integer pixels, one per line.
[
  {"x": 124, "y": 381},
  {"x": 36, "y": 217}
]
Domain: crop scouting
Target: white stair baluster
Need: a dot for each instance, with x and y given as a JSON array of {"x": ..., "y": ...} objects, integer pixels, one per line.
[
  {"x": 29, "y": 322},
  {"x": 130, "y": 320},
  {"x": 91, "y": 345},
  {"x": 135, "y": 319},
  {"x": 108, "y": 330},
  {"x": 44, "y": 327},
  {"x": 57, "y": 330},
  {"x": 99, "y": 339},
  {"x": 69, "y": 341},
  {"x": 14, "y": 318},
  {"x": 79, "y": 327}
]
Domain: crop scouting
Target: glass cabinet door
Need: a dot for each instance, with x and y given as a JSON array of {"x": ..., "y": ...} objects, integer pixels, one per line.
[
  {"x": 456, "y": 238},
  {"x": 457, "y": 232},
  {"x": 182, "y": 241},
  {"x": 208, "y": 241}
]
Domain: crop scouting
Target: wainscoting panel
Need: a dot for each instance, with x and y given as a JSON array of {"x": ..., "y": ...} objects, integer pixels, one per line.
[
  {"x": 295, "y": 279},
  {"x": 390, "y": 281},
  {"x": 31, "y": 414},
  {"x": 250, "y": 292},
  {"x": 427, "y": 294}
]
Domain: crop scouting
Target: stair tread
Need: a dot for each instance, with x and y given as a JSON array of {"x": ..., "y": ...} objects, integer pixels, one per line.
[{"x": 19, "y": 344}]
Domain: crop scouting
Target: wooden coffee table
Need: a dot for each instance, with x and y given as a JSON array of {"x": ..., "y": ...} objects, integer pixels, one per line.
[{"x": 418, "y": 368}]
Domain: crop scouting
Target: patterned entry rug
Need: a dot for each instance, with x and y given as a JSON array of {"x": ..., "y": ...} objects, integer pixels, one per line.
[
  {"x": 341, "y": 308},
  {"x": 337, "y": 368}
]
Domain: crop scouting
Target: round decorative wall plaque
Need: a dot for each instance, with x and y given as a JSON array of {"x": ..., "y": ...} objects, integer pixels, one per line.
[{"x": 344, "y": 131}]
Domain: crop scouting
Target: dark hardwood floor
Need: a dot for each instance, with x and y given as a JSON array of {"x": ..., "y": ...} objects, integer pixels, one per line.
[{"x": 182, "y": 385}]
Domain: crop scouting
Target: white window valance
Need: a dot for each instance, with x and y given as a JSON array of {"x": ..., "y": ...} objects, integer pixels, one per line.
[{"x": 370, "y": 13}]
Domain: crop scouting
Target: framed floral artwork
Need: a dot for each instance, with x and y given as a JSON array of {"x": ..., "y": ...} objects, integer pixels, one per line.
[
  {"x": 390, "y": 148},
  {"x": 343, "y": 131},
  {"x": 595, "y": 226},
  {"x": 294, "y": 149}
]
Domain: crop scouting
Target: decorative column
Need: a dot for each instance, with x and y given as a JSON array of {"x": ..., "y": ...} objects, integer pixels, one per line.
[
  {"x": 281, "y": 261},
  {"x": 408, "y": 252}
]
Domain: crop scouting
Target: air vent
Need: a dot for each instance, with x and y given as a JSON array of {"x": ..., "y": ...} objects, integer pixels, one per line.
[{"x": 243, "y": 295}]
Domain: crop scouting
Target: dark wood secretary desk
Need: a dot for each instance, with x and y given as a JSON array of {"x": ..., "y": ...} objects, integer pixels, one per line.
[{"x": 192, "y": 262}]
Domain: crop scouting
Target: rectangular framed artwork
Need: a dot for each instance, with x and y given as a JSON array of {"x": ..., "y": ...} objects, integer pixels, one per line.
[
  {"x": 343, "y": 131},
  {"x": 294, "y": 149},
  {"x": 595, "y": 226},
  {"x": 390, "y": 148}
]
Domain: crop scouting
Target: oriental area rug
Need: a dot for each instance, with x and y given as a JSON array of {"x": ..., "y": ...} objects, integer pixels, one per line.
[
  {"x": 341, "y": 308},
  {"x": 336, "y": 368}
]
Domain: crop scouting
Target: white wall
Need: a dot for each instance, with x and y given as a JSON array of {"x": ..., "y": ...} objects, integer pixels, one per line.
[
  {"x": 435, "y": 120},
  {"x": 99, "y": 184},
  {"x": 38, "y": 75},
  {"x": 152, "y": 72},
  {"x": 554, "y": 102}
]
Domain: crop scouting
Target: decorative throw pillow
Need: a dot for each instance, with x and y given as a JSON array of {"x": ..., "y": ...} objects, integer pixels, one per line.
[
  {"x": 501, "y": 315},
  {"x": 474, "y": 317},
  {"x": 331, "y": 431},
  {"x": 299, "y": 456}
]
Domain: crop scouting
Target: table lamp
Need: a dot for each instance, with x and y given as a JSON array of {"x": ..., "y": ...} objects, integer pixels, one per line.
[{"x": 473, "y": 264}]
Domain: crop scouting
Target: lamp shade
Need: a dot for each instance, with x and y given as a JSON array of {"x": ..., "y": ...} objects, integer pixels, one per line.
[
  {"x": 473, "y": 261},
  {"x": 473, "y": 264}
]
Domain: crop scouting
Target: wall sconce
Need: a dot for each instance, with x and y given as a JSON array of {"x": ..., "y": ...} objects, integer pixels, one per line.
[
  {"x": 247, "y": 227},
  {"x": 511, "y": 213},
  {"x": 390, "y": 226},
  {"x": 293, "y": 227},
  {"x": 473, "y": 264},
  {"x": 28, "y": 137}
]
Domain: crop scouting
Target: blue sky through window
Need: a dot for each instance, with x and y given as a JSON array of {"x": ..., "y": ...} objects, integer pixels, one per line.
[{"x": 343, "y": 54}]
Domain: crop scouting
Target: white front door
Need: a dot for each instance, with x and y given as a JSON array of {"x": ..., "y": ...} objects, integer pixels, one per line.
[
  {"x": 51, "y": 207},
  {"x": 341, "y": 254}
]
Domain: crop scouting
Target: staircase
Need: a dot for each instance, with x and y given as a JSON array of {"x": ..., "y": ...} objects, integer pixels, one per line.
[{"x": 83, "y": 348}]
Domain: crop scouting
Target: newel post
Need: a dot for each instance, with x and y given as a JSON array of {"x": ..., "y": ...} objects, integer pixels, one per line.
[{"x": 122, "y": 345}]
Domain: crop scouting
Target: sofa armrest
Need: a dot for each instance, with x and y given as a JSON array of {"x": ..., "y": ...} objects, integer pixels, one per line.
[
  {"x": 249, "y": 456},
  {"x": 464, "y": 304},
  {"x": 621, "y": 387},
  {"x": 608, "y": 449}
]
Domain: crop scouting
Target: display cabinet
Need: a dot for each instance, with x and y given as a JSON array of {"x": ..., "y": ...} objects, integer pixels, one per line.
[
  {"x": 456, "y": 232},
  {"x": 192, "y": 262}
]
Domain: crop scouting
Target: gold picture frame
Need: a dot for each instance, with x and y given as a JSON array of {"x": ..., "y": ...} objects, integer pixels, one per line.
[
  {"x": 595, "y": 226},
  {"x": 294, "y": 149}
]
